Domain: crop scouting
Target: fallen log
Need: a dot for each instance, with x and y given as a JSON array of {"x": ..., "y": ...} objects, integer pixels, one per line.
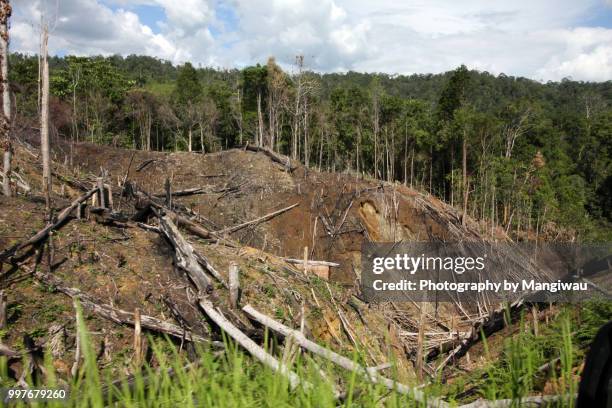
[
  {"x": 180, "y": 193},
  {"x": 535, "y": 401},
  {"x": 275, "y": 157},
  {"x": 42, "y": 234},
  {"x": 185, "y": 255},
  {"x": 230, "y": 230},
  {"x": 197, "y": 190},
  {"x": 253, "y": 348},
  {"x": 340, "y": 360},
  {"x": 311, "y": 262},
  {"x": 180, "y": 220},
  {"x": 123, "y": 317}
]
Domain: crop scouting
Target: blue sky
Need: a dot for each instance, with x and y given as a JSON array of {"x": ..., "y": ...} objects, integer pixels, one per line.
[{"x": 539, "y": 39}]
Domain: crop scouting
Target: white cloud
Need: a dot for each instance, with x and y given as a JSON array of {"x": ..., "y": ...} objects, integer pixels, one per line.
[
  {"x": 86, "y": 27},
  {"x": 587, "y": 55},
  {"x": 541, "y": 39}
]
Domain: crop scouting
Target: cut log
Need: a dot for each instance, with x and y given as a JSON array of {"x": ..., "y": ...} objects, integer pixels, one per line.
[
  {"x": 342, "y": 361},
  {"x": 253, "y": 348},
  {"x": 275, "y": 157},
  {"x": 230, "y": 230},
  {"x": 311, "y": 262},
  {"x": 185, "y": 255},
  {"x": 121, "y": 316},
  {"x": 42, "y": 234}
]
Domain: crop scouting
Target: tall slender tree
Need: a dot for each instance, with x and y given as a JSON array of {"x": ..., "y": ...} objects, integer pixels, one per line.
[
  {"x": 5, "y": 118},
  {"x": 44, "y": 117}
]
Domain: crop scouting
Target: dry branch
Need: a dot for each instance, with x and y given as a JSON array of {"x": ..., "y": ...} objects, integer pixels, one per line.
[
  {"x": 144, "y": 164},
  {"x": 121, "y": 316},
  {"x": 341, "y": 360},
  {"x": 182, "y": 221},
  {"x": 42, "y": 234},
  {"x": 256, "y": 221}
]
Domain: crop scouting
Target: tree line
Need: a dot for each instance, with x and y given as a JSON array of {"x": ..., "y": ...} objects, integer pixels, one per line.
[{"x": 524, "y": 155}]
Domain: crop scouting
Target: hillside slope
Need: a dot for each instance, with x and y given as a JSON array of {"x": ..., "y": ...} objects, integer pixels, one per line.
[{"x": 116, "y": 263}]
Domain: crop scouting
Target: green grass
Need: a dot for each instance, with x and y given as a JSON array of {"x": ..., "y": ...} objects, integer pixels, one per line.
[{"x": 233, "y": 379}]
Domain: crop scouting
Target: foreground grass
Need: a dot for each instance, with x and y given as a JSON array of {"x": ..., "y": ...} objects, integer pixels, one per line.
[{"x": 232, "y": 379}]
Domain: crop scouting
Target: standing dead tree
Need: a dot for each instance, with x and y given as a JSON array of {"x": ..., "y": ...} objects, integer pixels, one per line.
[
  {"x": 44, "y": 117},
  {"x": 5, "y": 117}
]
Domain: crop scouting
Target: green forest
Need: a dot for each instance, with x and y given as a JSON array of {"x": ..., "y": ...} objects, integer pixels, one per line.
[{"x": 530, "y": 158}]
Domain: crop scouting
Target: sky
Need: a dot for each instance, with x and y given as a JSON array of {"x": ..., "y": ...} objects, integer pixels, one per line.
[{"x": 545, "y": 40}]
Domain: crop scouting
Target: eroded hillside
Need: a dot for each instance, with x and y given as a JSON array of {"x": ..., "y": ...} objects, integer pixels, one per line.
[{"x": 119, "y": 259}]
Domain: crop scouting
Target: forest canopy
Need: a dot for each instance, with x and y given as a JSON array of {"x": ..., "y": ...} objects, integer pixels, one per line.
[{"x": 524, "y": 155}]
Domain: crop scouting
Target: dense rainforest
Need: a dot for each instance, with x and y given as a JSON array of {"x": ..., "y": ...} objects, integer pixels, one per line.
[{"x": 531, "y": 158}]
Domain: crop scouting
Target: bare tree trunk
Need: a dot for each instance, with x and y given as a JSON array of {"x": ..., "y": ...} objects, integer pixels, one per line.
[
  {"x": 465, "y": 180},
  {"x": 201, "y": 138},
  {"x": 260, "y": 141},
  {"x": 306, "y": 142},
  {"x": 149, "y": 126},
  {"x": 296, "y": 114},
  {"x": 411, "y": 165},
  {"x": 44, "y": 119},
  {"x": 430, "y": 168},
  {"x": 190, "y": 138},
  {"x": 5, "y": 13},
  {"x": 240, "y": 118}
]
